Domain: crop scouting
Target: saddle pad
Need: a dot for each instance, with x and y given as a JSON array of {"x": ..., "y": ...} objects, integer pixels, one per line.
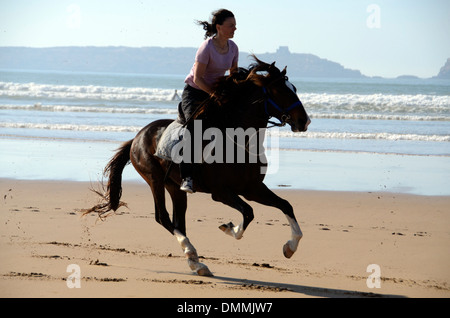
[{"x": 169, "y": 138}]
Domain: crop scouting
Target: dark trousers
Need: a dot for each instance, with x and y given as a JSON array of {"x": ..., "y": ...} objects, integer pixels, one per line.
[{"x": 191, "y": 99}]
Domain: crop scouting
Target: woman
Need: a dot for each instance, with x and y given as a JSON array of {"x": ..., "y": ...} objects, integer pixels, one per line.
[{"x": 216, "y": 55}]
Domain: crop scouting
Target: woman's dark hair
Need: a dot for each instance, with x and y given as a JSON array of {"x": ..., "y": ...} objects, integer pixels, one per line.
[{"x": 218, "y": 17}]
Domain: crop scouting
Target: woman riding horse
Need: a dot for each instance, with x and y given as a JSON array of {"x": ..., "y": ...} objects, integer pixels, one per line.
[
  {"x": 217, "y": 55},
  {"x": 241, "y": 101}
]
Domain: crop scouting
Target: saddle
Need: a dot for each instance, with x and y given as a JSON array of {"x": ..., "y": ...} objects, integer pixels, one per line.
[{"x": 171, "y": 136}]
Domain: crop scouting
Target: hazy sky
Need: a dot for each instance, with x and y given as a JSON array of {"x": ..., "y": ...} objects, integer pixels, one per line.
[{"x": 378, "y": 37}]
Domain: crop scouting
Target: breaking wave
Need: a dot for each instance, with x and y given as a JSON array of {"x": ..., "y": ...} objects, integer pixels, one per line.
[
  {"x": 80, "y": 92},
  {"x": 271, "y": 133},
  {"x": 313, "y": 102}
]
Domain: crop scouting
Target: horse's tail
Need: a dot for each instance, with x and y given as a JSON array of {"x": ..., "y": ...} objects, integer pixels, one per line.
[{"x": 113, "y": 170}]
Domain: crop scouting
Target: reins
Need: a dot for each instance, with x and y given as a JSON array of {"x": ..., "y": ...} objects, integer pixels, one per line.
[{"x": 268, "y": 101}]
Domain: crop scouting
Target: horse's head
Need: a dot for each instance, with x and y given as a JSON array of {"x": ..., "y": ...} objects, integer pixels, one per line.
[{"x": 280, "y": 96}]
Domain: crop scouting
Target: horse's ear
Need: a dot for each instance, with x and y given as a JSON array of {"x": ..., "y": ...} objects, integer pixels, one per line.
[
  {"x": 283, "y": 72},
  {"x": 272, "y": 69}
]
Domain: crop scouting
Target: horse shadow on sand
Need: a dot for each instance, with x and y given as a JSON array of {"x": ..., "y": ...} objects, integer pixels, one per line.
[{"x": 310, "y": 291}]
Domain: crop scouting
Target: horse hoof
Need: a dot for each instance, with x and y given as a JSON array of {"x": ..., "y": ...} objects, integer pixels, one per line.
[
  {"x": 227, "y": 227},
  {"x": 204, "y": 271},
  {"x": 287, "y": 251}
]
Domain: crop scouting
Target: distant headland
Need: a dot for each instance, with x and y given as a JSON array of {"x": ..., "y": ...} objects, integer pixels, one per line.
[{"x": 159, "y": 60}]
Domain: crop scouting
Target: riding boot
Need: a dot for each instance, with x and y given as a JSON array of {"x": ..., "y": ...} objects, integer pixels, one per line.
[
  {"x": 187, "y": 185},
  {"x": 186, "y": 171},
  {"x": 186, "y": 168}
]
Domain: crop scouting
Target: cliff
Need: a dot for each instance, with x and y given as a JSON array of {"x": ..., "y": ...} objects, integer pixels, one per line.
[{"x": 444, "y": 73}]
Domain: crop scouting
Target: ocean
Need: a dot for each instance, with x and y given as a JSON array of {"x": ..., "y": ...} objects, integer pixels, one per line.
[{"x": 368, "y": 134}]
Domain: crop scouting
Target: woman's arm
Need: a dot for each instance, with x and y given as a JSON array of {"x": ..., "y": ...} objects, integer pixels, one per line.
[
  {"x": 234, "y": 68},
  {"x": 199, "y": 72}
]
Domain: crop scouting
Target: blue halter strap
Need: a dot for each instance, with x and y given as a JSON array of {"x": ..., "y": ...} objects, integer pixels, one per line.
[{"x": 275, "y": 105}]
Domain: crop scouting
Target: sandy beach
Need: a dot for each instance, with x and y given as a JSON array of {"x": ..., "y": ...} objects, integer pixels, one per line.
[{"x": 407, "y": 237}]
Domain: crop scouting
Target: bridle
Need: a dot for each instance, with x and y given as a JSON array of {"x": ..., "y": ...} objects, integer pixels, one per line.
[{"x": 285, "y": 117}]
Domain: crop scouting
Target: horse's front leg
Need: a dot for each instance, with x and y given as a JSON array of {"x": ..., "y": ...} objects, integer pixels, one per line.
[
  {"x": 233, "y": 200},
  {"x": 236, "y": 231},
  {"x": 265, "y": 196},
  {"x": 296, "y": 234}
]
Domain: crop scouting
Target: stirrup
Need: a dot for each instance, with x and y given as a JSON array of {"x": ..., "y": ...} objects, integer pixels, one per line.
[{"x": 187, "y": 185}]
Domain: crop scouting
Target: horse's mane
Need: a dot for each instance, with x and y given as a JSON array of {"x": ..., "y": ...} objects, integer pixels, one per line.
[
  {"x": 258, "y": 73},
  {"x": 229, "y": 89}
]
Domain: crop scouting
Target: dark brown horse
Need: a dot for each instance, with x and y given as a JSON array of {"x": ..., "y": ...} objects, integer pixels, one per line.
[{"x": 244, "y": 100}]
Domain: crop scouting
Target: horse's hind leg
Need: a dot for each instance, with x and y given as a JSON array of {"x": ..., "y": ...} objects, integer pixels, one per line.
[
  {"x": 265, "y": 196},
  {"x": 179, "y": 202},
  {"x": 191, "y": 254},
  {"x": 155, "y": 179}
]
